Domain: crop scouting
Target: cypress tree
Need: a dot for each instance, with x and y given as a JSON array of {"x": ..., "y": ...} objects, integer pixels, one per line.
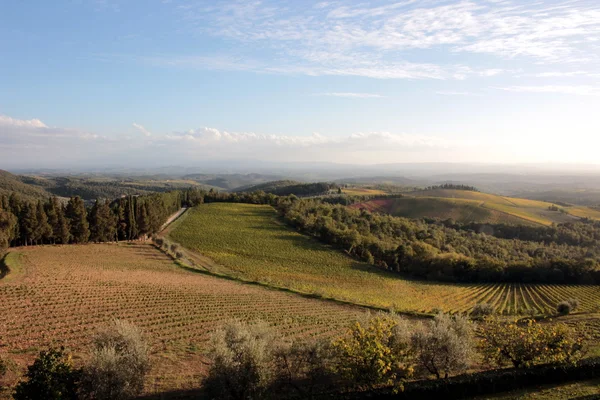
[
  {"x": 29, "y": 223},
  {"x": 62, "y": 230},
  {"x": 77, "y": 216},
  {"x": 143, "y": 221},
  {"x": 43, "y": 231},
  {"x": 121, "y": 219},
  {"x": 50, "y": 208},
  {"x": 102, "y": 223},
  {"x": 132, "y": 230}
]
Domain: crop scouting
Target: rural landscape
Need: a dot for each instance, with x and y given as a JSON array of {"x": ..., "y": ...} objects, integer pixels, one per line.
[
  {"x": 299, "y": 199},
  {"x": 318, "y": 268}
]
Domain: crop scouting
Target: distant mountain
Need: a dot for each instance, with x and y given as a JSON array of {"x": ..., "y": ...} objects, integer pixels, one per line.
[{"x": 231, "y": 181}]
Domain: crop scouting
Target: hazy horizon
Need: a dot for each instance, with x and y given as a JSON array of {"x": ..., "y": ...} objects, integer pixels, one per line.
[{"x": 138, "y": 84}]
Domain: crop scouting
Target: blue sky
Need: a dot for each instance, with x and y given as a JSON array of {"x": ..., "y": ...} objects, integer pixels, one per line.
[{"x": 176, "y": 81}]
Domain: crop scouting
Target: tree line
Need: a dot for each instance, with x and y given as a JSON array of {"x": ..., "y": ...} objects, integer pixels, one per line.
[
  {"x": 432, "y": 250},
  {"x": 26, "y": 223},
  {"x": 454, "y": 186}
]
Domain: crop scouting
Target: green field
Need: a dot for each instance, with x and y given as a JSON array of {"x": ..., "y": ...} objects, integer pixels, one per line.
[
  {"x": 467, "y": 206},
  {"x": 251, "y": 243}
]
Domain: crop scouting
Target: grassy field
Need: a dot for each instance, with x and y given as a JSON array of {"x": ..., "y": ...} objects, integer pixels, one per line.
[
  {"x": 468, "y": 206},
  {"x": 250, "y": 242},
  {"x": 65, "y": 293}
]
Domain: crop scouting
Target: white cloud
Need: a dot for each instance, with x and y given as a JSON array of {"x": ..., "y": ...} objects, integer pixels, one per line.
[
  {"x": 582, "y": 90},
  {"x": 352, "y": 95},
  {"x": 21, "y": 123},
  {"x": 141, "y": 129}
]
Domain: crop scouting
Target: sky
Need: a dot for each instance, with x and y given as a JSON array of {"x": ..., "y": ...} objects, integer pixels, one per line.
[{"x": 179, "y": 82}]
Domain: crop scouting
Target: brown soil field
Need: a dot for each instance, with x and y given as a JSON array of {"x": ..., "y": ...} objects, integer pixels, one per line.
[{"x": 62, "y": 294}]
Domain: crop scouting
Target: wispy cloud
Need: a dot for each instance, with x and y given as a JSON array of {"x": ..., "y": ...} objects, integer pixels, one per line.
[
  {"x": 581, "y": 90},
  {"x": 352, "y": 95},
  {"x": 141, "y": 129},
  {"x": 360, "y": 39}
]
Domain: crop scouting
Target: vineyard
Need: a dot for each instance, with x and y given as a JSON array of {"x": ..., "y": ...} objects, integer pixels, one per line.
[
  {"x": 63, "y": 294},
  {"x": 251, "y": 242}
]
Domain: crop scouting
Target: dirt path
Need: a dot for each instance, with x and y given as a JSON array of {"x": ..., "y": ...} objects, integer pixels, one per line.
[{"x": 172, "y": 218}]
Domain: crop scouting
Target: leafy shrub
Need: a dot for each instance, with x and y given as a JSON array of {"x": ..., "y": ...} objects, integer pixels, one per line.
[
  {"x": 158, "y": 241},
  {"x": 50, "y": 377},
  {"x": 179, "y": 255},
  {"x": 529, "y": 343},
  {"x": 118, "y": 365},
  {"x": 565, "y": 307},
  {"x": 444, "y": 345},
  {"x": 482, "y": 310},
  {"x": 174, "y": 247},
  {"x": 375, "y": 351},
  {"x": 243, "y": 361}
]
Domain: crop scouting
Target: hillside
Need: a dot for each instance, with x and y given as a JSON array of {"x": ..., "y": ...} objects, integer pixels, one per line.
[
  {"x": 251, "y": 243},
  {"x": 10, "y": 183},
  {"x": 459, "y": 210},
  {"x": 468, "y": 206}
]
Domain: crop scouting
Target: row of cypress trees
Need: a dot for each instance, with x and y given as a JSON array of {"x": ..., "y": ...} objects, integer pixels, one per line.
[{"x": 26, "y": 223}]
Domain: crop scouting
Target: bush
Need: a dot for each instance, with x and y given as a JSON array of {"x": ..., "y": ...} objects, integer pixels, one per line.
[
  {"x": 179, "y": 255},
  {"x": 528, "y": 343},
  {"x": 174, "y": 247},
  {"x": 158, "y": 241},
  {"x": 375, "y": 351},
  {"x": 482, "y": 310},
  {"x": 243, "y": 361},
  {"x": 564, "y": 308},
  {"x": 444, "y": 346},
  {"x": 50, "y": 377},
  {"x": 567, "y": 306},
  {"x": 118, "y": 365}
]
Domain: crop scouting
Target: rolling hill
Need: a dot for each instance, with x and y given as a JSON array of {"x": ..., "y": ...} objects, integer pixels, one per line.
[
  {"x": 10, "y": 183},
  {"x": 469, "y": 206},
  {"x": 248, "y": 242}
]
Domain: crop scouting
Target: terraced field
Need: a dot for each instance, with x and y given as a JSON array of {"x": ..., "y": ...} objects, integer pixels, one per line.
[
  {"x": 249, "y": 241},
  {"x": 62, "y": 294}
]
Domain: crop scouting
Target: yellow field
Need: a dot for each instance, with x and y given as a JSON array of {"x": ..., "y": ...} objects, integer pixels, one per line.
[
  {"x": 65, "y": 293},
  {"x": 251, "y": 243},
  {"x": 359, "y": 191},
  {"x": 533, "y": 211}
]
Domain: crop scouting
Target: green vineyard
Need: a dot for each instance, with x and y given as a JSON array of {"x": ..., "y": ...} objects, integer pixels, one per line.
[{"x": 252, "y": 243}]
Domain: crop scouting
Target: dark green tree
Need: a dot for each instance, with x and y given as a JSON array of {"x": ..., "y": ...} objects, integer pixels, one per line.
[
  {"x": 50, "y": 377},
  {"x": 28, "y": 223},
  {"x": 102, "y": 223},
  {"x": 77, "y": 216},
  {"x": 43, "y": 231}
]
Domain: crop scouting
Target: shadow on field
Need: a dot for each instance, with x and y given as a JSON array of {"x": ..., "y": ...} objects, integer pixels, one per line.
[
  {"x": 176, "y": 395},
  {"x": 3, "y": 267}
]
